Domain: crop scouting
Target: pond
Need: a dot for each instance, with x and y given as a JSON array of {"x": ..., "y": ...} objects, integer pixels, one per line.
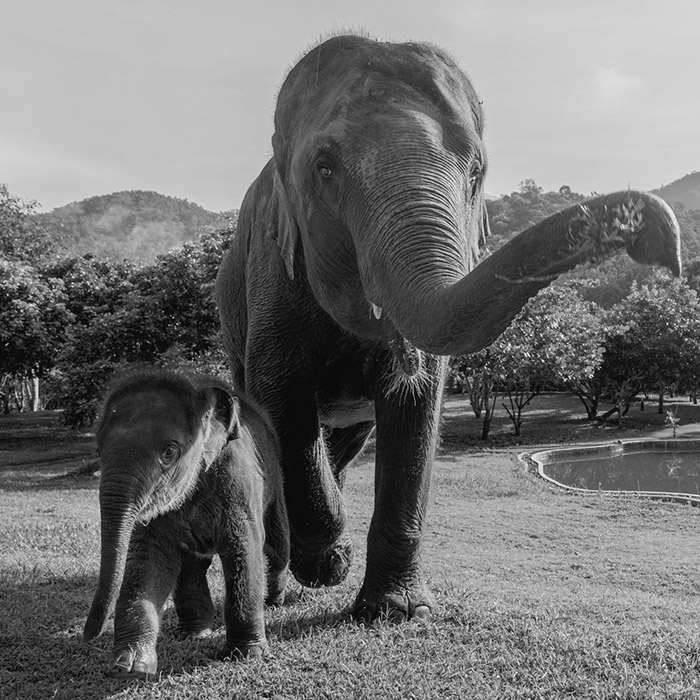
[{"x": 668, "y": 469}]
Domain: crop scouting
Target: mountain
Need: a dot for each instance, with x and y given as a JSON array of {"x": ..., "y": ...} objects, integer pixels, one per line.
[
  {"x": 686, "y": 190},
  {"x": 132, "y": 224}
]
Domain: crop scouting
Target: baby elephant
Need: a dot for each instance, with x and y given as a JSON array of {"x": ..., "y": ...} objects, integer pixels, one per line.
[{"x": 188, "y": 471}]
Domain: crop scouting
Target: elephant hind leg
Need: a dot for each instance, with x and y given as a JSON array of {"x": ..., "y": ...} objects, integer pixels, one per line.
[{"x": 192, "y": 598}]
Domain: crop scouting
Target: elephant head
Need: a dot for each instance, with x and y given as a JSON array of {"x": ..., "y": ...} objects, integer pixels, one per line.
[
  {"x": 379, "y": 192},
  {"x": 157, "y": 432}
]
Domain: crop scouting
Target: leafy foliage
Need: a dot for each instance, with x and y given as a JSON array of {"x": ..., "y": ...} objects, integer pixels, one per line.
[
  {"x": 22, "y": 237},
  {"x": 33, "y": 319},
  {"x": 513, "y": 213},
  {"x": 653, "y": 341},
  {"x": 555, "y": 341},
  {"x": 163, "y": 313},
  {"x": 649, "y": 342}
]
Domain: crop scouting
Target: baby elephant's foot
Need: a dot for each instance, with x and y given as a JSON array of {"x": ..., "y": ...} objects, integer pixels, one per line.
[
  {"x": 141, "y": 663},
  {"x": 239, "y": 652}
]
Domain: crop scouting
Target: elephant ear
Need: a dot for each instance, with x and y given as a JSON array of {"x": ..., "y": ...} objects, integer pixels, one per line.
[
  {"x": 225, "y": 409},
  {"x": 287, "y": 234}
]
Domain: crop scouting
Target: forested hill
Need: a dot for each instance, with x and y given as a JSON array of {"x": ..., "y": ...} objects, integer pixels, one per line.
[
  {"x": 686, "y": 190},
  {"x": 132, "y": 224}
]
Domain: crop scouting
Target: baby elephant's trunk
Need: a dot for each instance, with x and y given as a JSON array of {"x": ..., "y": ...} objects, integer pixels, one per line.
[{"x": 117, "y": 524}]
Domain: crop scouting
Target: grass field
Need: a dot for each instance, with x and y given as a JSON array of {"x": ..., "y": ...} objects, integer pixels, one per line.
[{"x": 541, "y": 594}]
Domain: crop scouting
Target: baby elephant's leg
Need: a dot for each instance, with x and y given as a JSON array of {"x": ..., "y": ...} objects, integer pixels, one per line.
[
  {"x": 148, "y": 580},
  {"x": 276, "y": 551},
  {"x": 192, "y": 598},
  {"x": 244, "y": 573}
]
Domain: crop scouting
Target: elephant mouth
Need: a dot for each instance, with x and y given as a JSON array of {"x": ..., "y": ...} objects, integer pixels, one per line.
[{"x": 408, "y": 358}]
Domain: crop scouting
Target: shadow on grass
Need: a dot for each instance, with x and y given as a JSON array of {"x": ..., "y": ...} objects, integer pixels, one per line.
[
  {"x": 304, "y": 613},
  {"x": 43, "y": 653}
]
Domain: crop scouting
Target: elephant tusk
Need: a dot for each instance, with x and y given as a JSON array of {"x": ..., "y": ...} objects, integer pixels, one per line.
[{"x": 376, "y": 310}]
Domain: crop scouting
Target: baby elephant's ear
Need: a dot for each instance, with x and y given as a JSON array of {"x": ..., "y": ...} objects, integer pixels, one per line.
[{"x": 226, "y": 410}]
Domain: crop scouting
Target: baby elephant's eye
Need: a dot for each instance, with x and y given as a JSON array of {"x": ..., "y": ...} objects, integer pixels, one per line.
[{"x": 169, "y": 454}]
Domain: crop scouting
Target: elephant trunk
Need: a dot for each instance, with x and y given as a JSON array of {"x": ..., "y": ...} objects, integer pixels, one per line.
[
  {"x": 445, "y": 317},
  {"x": 117, "y": 524}
]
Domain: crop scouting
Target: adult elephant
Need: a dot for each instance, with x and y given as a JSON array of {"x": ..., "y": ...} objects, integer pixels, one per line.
[{"x": 353, "y": 274}]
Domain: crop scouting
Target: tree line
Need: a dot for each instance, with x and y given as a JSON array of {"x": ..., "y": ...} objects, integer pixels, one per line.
[
  {"x": 68, "y": 323},
  {"x": 647, "y": 343},
  {"x": 613, "y": 332}
]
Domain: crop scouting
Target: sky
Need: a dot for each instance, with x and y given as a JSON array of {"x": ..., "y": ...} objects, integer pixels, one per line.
[{"x": 178, "y": 96}]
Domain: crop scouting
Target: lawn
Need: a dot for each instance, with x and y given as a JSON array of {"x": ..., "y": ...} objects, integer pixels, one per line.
[{"x": 541, "y": 593}]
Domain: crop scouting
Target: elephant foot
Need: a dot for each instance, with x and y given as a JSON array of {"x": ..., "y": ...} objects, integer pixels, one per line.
[
  {"x": 276, "y": 587},
  {"x": 327, "y": 568},
  {"x": 241, "y": 652},
  {"x": 194, "y": 632},
  {"x": 397, "y": 605},
  {"x": 141, "y": 663}
]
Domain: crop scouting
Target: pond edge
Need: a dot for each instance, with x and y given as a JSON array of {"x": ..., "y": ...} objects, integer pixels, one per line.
[{"x": 537, "y": 460}]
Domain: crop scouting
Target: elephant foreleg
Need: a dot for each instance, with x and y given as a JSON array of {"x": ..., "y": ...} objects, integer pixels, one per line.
[
  {"x": 192, "y": 598},
  {"x": 276, "y": 551},
  {"x": 320, "y": 548},
  {"x": 151, "y": 572},
  {"x": 407, "y": 429}
]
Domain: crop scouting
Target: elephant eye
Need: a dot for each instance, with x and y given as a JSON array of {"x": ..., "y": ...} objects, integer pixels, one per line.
[
  {"x": 474, "y": 179},
  {"x": 169, "y": 454},
  {"x": 324, "y": 170}
]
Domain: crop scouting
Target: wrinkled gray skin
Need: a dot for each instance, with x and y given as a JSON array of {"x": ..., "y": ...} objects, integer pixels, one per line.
[
  {"x": 188, "y": 471},
  {"x": 353, "y": 273}
]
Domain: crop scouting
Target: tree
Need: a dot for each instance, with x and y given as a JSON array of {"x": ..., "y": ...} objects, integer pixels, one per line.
[
  {"x": 572, "y": 341},
  {"x": 22, "y": 238},
  {"x": 555, "y": 341},
  {"x": 33, "y": 323},
  {"x": 93, "y": 286},
  {"x": 519, "y": 210},
  {"x": 653, "y": 342},
  {"x": 476, "y": 372},
  {"x": 163, "y": 313}
]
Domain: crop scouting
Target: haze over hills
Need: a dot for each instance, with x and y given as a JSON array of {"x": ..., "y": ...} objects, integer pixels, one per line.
[
  {"x": 140, "y": 225},
  {"x": 132, "y": 224}
]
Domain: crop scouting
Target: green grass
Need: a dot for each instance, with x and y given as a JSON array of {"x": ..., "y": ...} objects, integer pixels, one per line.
[{"x": 541, "y": 594}]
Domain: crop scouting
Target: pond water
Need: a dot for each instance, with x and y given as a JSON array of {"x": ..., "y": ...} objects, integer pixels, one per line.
[{"x": 661, "y": 468}]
